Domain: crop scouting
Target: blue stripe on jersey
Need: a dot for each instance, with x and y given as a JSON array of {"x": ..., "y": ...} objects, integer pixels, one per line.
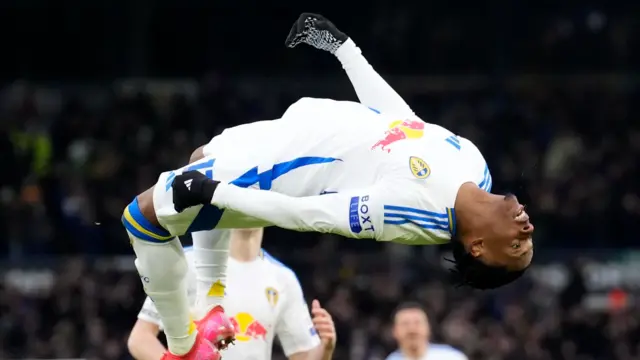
[
  {"x": 415, "y": 211},
  {"x": 393, "y": 216},
  {"x": 207, "y": 166},
  {"x": 374, "y": 110},
  {"x": 400, "y": 215},
  {"x": 172, "y": 175},
  {"x": 209, "y": 215},
  {"x": 482, "y": 184},
  {"x": 453, "y": 140},
  {"x": 424, "y": 226},
  {"x": 266, "y": 178},
  {"x": 452, "y": 220},
  {"x": 487, "y": 181}
]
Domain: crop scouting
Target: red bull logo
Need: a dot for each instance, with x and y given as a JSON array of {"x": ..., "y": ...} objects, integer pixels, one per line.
[
  {"x": 248, "y": 328},
  {"x": 400, "y": 130}
]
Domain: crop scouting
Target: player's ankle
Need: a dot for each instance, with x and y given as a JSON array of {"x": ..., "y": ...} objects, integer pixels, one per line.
[{"x": 180, "y": 346}]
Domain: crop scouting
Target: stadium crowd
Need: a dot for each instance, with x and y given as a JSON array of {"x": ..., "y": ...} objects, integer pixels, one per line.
[{"x": 88, "y": 310}]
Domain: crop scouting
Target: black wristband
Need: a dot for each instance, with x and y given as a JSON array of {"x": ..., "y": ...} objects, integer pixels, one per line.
[{"x": 208, "y": 188}]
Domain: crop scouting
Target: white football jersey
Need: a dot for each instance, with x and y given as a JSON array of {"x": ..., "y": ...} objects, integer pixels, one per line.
[
  {"x": 264, "y": 299},
  {"x": 333, "y": 166},
  {"x": 434, "y": 352}
]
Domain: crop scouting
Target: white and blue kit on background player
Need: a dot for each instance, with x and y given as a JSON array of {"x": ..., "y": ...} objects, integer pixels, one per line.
[
  {"x": 264, "y": 300},
  {"x": 363, "y": 170},
  {"x": 434, "y": 352}
]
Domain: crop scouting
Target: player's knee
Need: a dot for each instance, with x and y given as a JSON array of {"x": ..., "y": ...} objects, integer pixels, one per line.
[
  {"x": 140, "y": 220},
  {"x": 132, "y": 344},
  {"x": 142, "y": 334},
  {"x": 197, "y": 154}
]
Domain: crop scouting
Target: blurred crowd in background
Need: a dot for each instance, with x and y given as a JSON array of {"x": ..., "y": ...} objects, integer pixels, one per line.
[
  {"x": 76, "y": 145},
  {"x": 87, "y": 309}
]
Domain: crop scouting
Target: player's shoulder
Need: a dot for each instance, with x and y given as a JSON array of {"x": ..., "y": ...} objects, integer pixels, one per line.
[
  {"x": 396, "y": 355},
  {"x": 275, "y": 264},
  {"x": 470, "y": 151},
  {"x": 444, "y": 352},
  {"x": 476, "y": 164},
  {"x": 284, "y": 272},
  {"x": 435, "y": 352}
]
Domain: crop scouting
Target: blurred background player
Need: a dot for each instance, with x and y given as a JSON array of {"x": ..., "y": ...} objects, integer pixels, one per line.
[
  {"x": 264, "y": 300},
  {"x": 412, "y": 331}
]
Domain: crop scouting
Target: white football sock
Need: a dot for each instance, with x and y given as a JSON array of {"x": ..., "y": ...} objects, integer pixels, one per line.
[
  {"x": 162, "y": 268},
  {"x": 210, "y": 251}
]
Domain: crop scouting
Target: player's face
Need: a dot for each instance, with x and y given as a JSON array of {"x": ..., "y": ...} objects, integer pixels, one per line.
[
  {"x": 510, "y": 243},
  {"x": 411, "y": 327}
]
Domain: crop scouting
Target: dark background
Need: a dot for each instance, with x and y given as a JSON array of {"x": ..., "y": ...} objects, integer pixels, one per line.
[{"x": 97, "y": 98}]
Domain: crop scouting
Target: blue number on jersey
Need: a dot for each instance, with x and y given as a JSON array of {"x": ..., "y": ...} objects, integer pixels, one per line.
[{"x": 207, "y": 166}]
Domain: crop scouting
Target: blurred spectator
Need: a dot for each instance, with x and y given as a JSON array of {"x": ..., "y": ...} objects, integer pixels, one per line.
[{"x": 412, "y": 331}]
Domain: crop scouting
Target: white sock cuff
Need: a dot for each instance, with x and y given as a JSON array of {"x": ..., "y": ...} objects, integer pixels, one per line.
[{"x": 212, "y": 239}]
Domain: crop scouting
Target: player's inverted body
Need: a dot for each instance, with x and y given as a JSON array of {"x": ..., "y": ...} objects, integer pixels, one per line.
[
  {"x": 325, "y": 171},
  {"x": 370, "y": 170}
]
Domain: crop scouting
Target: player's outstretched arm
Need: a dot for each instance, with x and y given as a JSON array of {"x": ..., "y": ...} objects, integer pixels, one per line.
[
  {"x": 372, "y": 89},
  {"x": 143, "y": 343},
  {"x": 323, "y": 323},
  {"x": 301, "y": 337},
  {"x": 356, "y": 214}
]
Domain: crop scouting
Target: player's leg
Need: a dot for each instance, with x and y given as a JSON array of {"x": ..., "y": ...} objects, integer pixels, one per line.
[
  {"x": 162, "y": 267},
  {"x": 211, "y": 251},
  {"x": 213, "y": 324}
]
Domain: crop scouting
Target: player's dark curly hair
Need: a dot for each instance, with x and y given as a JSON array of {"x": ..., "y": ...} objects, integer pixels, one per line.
[{"x": 470, "y": 271}]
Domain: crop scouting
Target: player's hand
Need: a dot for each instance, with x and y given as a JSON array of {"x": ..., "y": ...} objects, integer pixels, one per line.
[
  {"x": 192, "y": 188},
  {"x": 317, "y": 31},
  {"x": 323, "y": 323}
]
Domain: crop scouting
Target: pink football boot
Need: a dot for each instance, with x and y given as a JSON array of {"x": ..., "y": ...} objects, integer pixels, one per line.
[
  {"x": 202, "y": 349},
  {"x": 217, "y": 328}
]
